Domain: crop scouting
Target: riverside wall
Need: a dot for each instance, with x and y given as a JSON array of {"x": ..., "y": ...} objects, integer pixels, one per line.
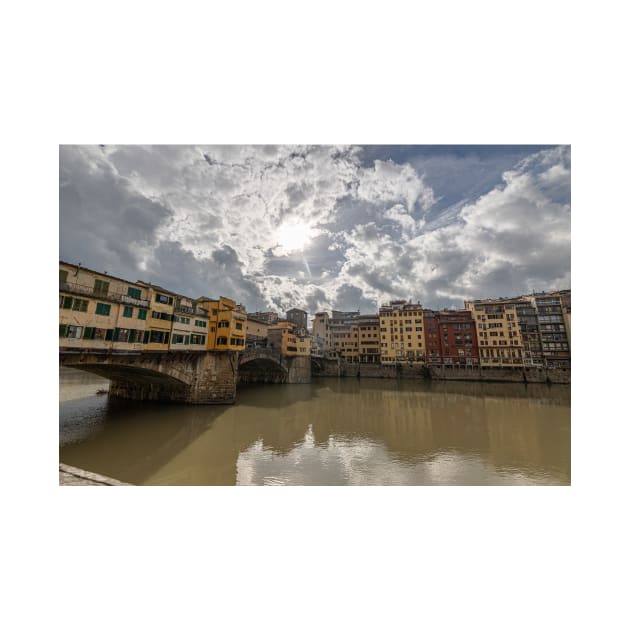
[{"x": 334, "y": 367}]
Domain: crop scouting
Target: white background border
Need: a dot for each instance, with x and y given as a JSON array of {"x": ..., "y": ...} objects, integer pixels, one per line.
[{"x": 329, "y": 72}]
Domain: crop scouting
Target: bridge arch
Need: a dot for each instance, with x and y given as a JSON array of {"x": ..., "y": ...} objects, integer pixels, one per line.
[{"x": 262, "y": 369}]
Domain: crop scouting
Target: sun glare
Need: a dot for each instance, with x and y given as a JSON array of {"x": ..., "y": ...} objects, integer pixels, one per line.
[{"x": 294, "y": 236}]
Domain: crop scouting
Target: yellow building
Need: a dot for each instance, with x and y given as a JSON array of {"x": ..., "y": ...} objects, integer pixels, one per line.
[
  {"x": 160, "y": 319},
  {"x": 288, "y": 339},
  {"x": 402, "y": 333},
  {"x": 227, "y": 325},
  {"x": 100, "y": 311},
  {"x": 498, "y": 332}
]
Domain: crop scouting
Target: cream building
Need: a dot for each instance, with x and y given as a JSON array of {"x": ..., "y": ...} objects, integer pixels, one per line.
[
  {"x": 100, "y": 311},
  {"x": 498, "y": 332}
]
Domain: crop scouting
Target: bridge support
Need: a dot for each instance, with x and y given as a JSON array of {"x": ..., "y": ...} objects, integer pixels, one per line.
[{"x": 192, "y": 377}]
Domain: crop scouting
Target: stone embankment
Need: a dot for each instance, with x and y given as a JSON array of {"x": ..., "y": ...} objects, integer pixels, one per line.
[
  {"x": 71, "y": 476},
  {"x": 333, "y": 367}
]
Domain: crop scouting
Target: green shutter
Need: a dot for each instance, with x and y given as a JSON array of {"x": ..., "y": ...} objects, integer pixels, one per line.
[
  {"x": 142, "y": 313},
  {"x": 63, "y": 330},
  {"x": 108, "y": 334},
  {"x": 67, "y": 302},
  {"x": 116, "y": 334},
  {"x": 128, "y": 311},
  {"x": 146, "y": 337}
]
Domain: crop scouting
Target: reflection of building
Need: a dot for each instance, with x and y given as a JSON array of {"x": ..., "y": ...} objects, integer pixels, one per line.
[
  {"x": 298, "y": 317},
  {"x": 498, "y": 332},
  {"x": 451, "y": 338},
  {"x": 402, "y": 333},
  {"x": 286, "y": 338}
]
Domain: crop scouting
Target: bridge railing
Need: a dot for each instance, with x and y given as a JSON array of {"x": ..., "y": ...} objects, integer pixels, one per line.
[{"x": 83, "y": 289}]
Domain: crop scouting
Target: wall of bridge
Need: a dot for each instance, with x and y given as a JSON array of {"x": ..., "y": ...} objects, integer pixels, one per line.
[{"x": 192, "y": 377}]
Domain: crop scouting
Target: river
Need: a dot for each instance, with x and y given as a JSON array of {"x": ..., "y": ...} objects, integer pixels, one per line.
[{"x": 330, "y": 432}]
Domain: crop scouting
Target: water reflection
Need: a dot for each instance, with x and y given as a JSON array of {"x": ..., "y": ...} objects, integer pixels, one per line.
[{"x": 333, "y": 431}]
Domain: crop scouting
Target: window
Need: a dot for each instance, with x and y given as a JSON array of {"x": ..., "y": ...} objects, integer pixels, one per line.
[
  {"x": 67, "y": 302},
  {"x": 163, "y": 299},
  {"x": 89, "y": 333},
  {"x": 142, "y": 313},
  {"x": 101, "y": 287},
  {"x": 134, "y": 293},
  {"x": 221, "y": 341},
  {"x": 177, "y": 339},
  {"x": 239, "y": 326},
  {"x": 157, "y": 336},
  {"x": 121, "y": 334},
  {"x": 198, "y": 340},
  {"x": 225, "y": 324},
  {"x": 201, "y": 324},
  {"x": 63, "y": 330},
  {"x": 100, "y": 333},
  {"x": 80, "y": 305},
  {"x": 63, "y": 276},
  {"x": 102, "y": 309},
  {"x": 128, "y": 311},
  {"x": 74, "y": 332}
]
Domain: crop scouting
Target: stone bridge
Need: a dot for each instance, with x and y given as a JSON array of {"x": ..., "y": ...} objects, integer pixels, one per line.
[
  {"x": 267, "y": 365},
  {"x": 192, "y": 377},
  {"x": 203, "y": 377}
]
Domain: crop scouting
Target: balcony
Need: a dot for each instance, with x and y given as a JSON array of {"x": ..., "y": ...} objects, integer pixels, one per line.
[{"x": 81, "y": 289}]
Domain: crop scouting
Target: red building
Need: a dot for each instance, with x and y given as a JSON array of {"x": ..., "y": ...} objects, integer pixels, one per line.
[{"x": 451, "y": 338}]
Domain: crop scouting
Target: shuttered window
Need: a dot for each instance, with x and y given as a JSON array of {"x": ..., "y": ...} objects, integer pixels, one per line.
[
  {"x": 101, "y": 287},
  {"x": 102, "y": 309}
]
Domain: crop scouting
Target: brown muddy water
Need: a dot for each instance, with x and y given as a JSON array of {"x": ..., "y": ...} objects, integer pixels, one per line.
[{"x": 330, "y": 432}]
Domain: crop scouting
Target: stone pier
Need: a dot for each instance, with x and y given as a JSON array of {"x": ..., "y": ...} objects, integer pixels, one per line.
[{"x": 192, "y": 377}]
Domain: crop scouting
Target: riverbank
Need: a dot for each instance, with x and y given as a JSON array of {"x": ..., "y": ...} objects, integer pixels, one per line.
[
  {"x": 332, "y": 367},
  {"x": 71, "y": 476}
]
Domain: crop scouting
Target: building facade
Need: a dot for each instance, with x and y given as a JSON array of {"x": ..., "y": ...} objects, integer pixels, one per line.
[
  {"x": 498, "y": 332},
  {"x": 99, "y": 311},
  {"x": 402, "y": 333},
  {"x": 451, "y": 338},
  {"x": 271, "y": 317},
  {"x": 298, "y": 317},
  {"x": 287, "y": 338}
]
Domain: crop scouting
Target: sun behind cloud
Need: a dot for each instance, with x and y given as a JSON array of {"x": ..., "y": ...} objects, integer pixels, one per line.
[{"x": 293, "y": 236}]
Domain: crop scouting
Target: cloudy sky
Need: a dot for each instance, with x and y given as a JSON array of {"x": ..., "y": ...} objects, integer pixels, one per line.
[{"x": 321, "y": 227}]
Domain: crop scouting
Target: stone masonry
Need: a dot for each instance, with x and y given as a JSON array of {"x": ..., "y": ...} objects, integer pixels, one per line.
[{"x": 191, "y": 377}]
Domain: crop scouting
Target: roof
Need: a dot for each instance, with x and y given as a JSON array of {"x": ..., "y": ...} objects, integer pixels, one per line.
[{"x": 100, "y": 273}]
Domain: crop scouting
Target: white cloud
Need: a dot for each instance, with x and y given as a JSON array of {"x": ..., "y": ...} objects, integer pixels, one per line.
[{"x": 222, "y": 213}]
